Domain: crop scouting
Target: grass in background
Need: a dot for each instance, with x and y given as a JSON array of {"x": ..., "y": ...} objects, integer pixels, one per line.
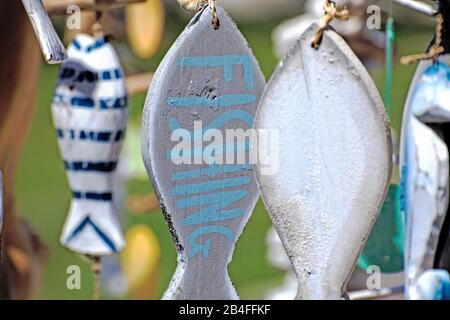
[{"x": 43, "y": 193}]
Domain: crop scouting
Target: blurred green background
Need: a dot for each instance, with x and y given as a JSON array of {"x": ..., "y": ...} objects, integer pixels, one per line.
[{"x": 43, "y": 193}]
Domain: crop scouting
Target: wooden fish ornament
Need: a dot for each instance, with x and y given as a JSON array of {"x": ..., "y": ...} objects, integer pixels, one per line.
[
  {"x": 425, "y": 167},
  {"x": 51, "y": 46},
  {"x": 331, "y": 166},
  {"x": 433, "y": 285},
  {"x": 90, "y": 113},
  {"x": 145, "y": 27},
  {"x": 208, "y": 85}
]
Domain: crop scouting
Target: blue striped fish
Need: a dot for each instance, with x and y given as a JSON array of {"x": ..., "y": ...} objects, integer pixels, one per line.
[{"x": 90, "y": 113}]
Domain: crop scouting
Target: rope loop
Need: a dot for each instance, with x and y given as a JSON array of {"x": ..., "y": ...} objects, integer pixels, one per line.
[
  {"x": 197, "y": 5},
  {"x": 435, "y": 50},
  {"x": 330, "y": 12}
]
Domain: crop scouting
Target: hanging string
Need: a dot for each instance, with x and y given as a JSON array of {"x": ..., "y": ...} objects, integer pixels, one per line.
[
  {"x": 97, "y": 27},
  {"x": 435, "y": 50},
  {"x": 197, "y": 5},
  {"x": 96, "y": 267},
  {"x": 215, "y": 20},
  {"x": 330, "y": 12}
]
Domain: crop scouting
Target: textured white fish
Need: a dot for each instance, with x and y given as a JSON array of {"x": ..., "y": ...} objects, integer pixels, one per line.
[
  {"x": 425, "y": 168},
  {"x": 334, "y": 156},
  {"x": 90, "y": 113}
]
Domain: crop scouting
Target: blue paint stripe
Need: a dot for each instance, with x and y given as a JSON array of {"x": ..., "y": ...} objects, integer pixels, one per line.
[
  {"x": 221, "y": 199},
  {"x": 219, "y": 122},
  {"x": 86, "y": 102},
  {"x": 209, "y": 186},
  {"x": 114, "y": 74},
  {"x": 105, "y": 196},
  {"x": 218, "y": 102},
  {"x": 211, "y": 171},
  {"x": 82, "y": 102},
  {"x": 97, "y": 136},
  {"x": 445, "y": 290},
  {"x": 225, "y": 61},
  {"x": 87, "y": 221},
  {"x": 96, "y": 45},
  {"x": 90, "y": 166},
  {"x": 224, "y": 150},
  {"x": 76, "y": 44}
]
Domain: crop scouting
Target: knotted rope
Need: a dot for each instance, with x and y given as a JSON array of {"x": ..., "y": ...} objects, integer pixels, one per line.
[
  {"x": 196, "y": 5},
  {"x": 434, "y": 51},
  {"x": 330, "y": 12},
  {"x": 96, "y": 267}
]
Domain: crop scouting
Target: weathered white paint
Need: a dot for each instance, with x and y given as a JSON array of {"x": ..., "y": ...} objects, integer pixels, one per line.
[
  {"x": 424, "y": 160},
  {"x": 277, "y": 257},
  {"x": 206, "y": 206},
  {"x": 433, "y": 285},
  {"x": 90, "y": 113},
  {"x": 51, "y": 46},
  {"x": 335, "y": 156}
]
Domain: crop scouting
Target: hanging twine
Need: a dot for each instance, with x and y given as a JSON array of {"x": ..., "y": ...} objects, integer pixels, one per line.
[
  {"x": 97, "y": 27},
  {"x": 96, "y": 267},
  {"x": 330, "y": 12},
  {"x": 434, "y": 51},
  {"x": 197, "y": 5}
]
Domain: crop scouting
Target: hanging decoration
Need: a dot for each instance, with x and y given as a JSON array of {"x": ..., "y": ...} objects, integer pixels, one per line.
[
  {"x": 207, "y": 86},
  {"x": 90, "y": 113},
  {"x": 334, "y": 157}
]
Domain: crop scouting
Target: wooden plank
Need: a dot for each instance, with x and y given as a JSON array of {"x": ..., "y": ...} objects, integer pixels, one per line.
[
  {"x": 51, "y": 46},
  {"x": 208, "y": 80},
  {"x": 59, "y": 7},
  {"x": 333, "y": 158}
]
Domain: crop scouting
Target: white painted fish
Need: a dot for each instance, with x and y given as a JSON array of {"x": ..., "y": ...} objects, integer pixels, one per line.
[
  {"x": 90, "y": 113},
  {"x": 334, "y": 159},
  {"x": 425, "y": 168}
]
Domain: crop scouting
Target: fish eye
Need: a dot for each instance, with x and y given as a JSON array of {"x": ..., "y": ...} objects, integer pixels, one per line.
[
  {"x": 90, "y": 76},
  {"x": 81, "y": 76}
]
